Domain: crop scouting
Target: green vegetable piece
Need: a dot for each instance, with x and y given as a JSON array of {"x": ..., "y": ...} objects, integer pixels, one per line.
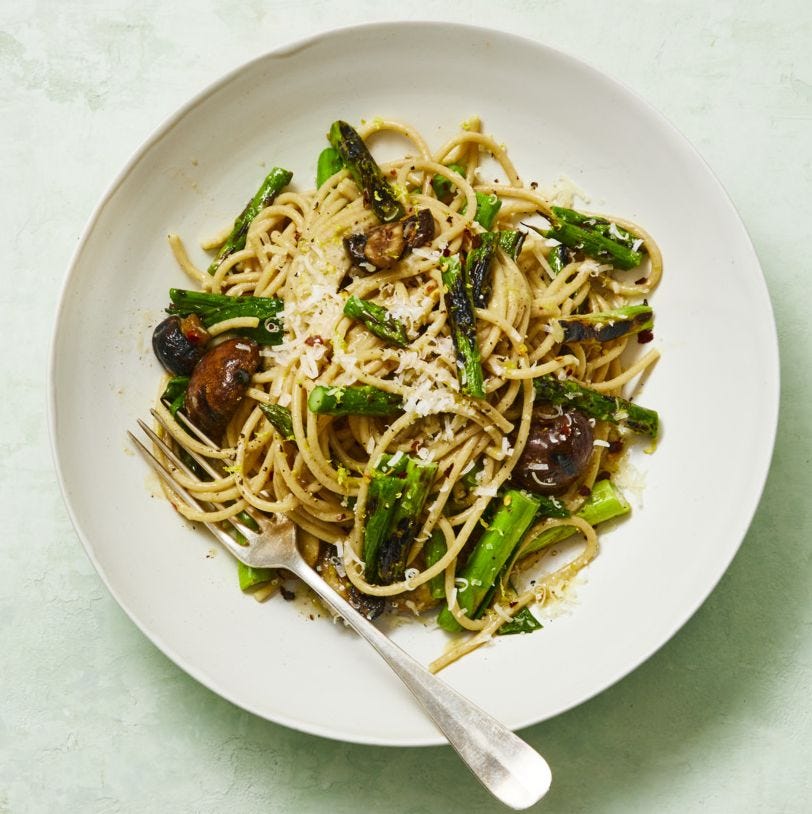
[
  {"x": 597, "y": 405},
  {"x": 491, "y": 552},
  {"x": 443, "y": 186},
  {"x": 604, "y": 503},
  {"x": 363, "y": 400},
  {"x": 377, "y": 320},
  {"x": 596, "y": 245},
  {"x": 522, "y": 622},
  {"x": 599, "y": 225},
  {"x": 249, "y": 521},
  {"x": 392, "y": 464},
  {"x": 511, "y": 241},
  {"x": 550, "y": 507},
  {"x": 175, "y": 393},
  {"x": 276, "y": 180},
  {"x": 487, "y": 205},
  {"x": 329, "y": 163},
  {"x": 390, "y": 563},
  {"x": 214, "y": 308},
  {"x": 434, "y": 550},
  {"x": 382, "y": 497},
  {"x": 280, "y": 419},
  {"x": 558, "y": 258},
  {"x": 605, "y": 326},
  {"x": 487, "y": 208},
  {"x": 479, "y": 261},
  {"x": 461, "y": 318},
  {"x": 591, "y": 243},
  {"x": 251, "y": 578},
  {"x": 470, "y": 479},
  {"x": 378, "y": 193}
]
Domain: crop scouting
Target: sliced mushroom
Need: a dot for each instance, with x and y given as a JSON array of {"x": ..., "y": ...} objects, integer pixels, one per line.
[
  {"x": 418, "y": 229},
  {"x": 385, "y": 245},
  {"x": 557, "y": 452},
  {"x": 355, "y": 246},
  {"x": 218, "y": 384},
  {"x": 382, "y": 246},
  {"x": 179, "y": 343}
]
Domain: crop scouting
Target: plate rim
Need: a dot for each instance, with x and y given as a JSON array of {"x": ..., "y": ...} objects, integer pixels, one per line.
[{"x": 771, "y": 404}]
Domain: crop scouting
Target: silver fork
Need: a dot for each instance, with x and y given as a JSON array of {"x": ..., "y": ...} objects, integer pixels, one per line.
[{"x": 510, "y": 769}]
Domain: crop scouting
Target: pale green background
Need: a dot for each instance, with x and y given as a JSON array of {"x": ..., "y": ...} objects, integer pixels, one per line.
[{"x": 94, "y": 719}]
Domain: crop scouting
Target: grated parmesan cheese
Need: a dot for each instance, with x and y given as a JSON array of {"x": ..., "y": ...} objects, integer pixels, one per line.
[
  {"x": 485, "y": 491},
  {"x": 426, "y": 254},
  {"x": 428, "y": 397},
  {"x": 563, "y": 192}
]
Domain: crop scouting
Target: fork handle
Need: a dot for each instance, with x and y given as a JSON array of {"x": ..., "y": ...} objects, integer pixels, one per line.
[{"x": 509, "y": 768}]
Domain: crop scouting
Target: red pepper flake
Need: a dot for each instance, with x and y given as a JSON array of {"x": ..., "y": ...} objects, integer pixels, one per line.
[
  {"x": 603, "y": 475},
  {"x": 584, "y": 491},
  {"x": 615, "y": 447},
  {"x": 393, "y": 173},
  {"x": 314, "y": 340},
  {"x": 446, "y": 252},
  {"x": 641, "y": 281},
  {"x": 645, "y": 336}
]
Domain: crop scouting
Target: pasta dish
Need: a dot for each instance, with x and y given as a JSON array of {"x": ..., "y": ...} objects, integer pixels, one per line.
[{"x": 428, "y": 364}]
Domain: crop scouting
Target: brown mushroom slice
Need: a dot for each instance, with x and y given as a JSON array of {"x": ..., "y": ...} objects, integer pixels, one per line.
[
  {"x": 382, "y": 246},
  {"x": 418, "y": 229},
  {"x": 218, "y": 384},
  {"x": 557, "y": 452},
  {"x": 385, "y": 245}
]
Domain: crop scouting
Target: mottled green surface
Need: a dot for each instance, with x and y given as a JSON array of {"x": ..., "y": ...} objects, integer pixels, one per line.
[{"x": 94, "y": 719}]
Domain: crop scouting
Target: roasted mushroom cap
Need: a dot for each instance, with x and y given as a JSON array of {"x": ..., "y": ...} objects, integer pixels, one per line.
[
  {"x": 179, "y": 343},
  {"x": 382, "y": 246},
  {"x": 557, "y": 452},
  {"x": 218, "y": 384}
]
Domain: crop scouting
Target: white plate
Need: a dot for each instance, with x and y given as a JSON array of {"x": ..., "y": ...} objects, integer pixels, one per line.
[{"x": 716, "y": 386}]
